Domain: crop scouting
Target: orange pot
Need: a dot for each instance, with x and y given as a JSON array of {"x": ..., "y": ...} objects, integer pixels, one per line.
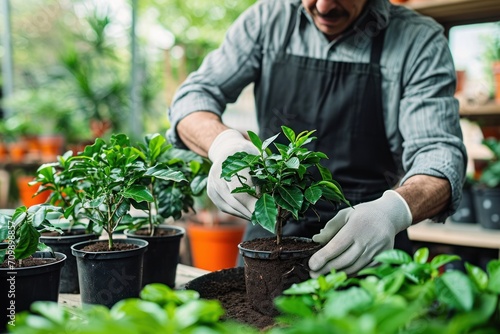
[
  {"x": 214, "y": 247},
  {"x": 51, "y": 147},
  {"x": 496, "y": 76},
  {"x": 17, "y": 151},
  {"x": 26, "y": 192}
]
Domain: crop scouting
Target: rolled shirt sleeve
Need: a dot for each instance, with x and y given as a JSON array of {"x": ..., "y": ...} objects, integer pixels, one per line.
[{"x": 429, "y": 116}]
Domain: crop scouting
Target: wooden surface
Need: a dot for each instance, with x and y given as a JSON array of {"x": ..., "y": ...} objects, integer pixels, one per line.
[
  {"x": 457, "y": 11},
  {"x": 460, "y": 234},
  {"x": 184, "y": 274}
]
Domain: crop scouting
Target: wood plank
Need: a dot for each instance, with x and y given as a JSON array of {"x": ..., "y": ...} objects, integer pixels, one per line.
[{"x": 449, "y": 11}]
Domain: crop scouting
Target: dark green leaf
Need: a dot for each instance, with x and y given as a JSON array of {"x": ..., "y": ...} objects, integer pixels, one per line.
[
  {"x": 138, "y": 193},
  {"x": 313, "y": 194},
  {"x": 454, "y": 289},
  {"x": 442, "y": 259},
  {"x": 289, "y": 133},
  {"x": 393, "y": 256},
  {"x": 477, "y": 276},
  {"x": 254, "y": 138},
  {"x": 265, "y": 213},
  {"x": 28, "y": 241},
  {"x": 167, "y": 174}
]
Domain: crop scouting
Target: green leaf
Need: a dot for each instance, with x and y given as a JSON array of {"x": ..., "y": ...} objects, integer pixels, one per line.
[
  {"x": 293, "y": 163},
  {"x": 454, "y": 289},
  {"x": 477, "y": 276},
  {"x": 292, "y": 195},
  {"x": 166, "y": 174},
  {"x": 268, "y": 141},
  {"x": 234, "y": 164},
  {"x": 28, "y": 241},
  {"x": 442, "y": 259},
  {"x": 421, "y": 255},
  {"x": 393, "y": 256},
  {"x": 138, "y": 193},
  {"x": 254, "y": 138},
  {"x": 343, "y": 302},
  {"x": 265, "y": 213},
  {"x": 313, "y": 194},
  {"x": 493, "y": 268},
  {"x": 325, "y": 173},
  {"x": 289, "y": 133}
]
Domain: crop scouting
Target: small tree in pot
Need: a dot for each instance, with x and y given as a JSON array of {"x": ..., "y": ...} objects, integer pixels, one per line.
[
  {"x": 65, "y": 189},
  {"x": 285, "y": 187},
  {"x": 112, "y": 176},
  {"x": 174, "y": 178}
]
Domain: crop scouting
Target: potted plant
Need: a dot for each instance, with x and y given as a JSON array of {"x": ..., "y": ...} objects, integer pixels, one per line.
[
  {"x": 466, "y": 212},
  {"x": 112, "y": 176},
  {"x": 284, "y": 188},
  {"x": 213, "y": 236},
  {"x": 65, "y": 192},
  {"x": 29, "y": 270},
  {"x": 492, "y": 59},
  {"x": 487, "y": 190},
  {"x": 174, "y": 178}
]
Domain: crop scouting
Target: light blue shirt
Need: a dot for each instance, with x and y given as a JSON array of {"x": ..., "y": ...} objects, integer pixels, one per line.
[{"x": 421, "y": 114}]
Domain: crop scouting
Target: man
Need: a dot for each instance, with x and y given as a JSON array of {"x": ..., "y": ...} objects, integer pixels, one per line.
[{"x": 375, "y": 80}]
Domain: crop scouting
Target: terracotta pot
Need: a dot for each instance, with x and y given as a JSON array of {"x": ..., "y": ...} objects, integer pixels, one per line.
[
  {"x": 26, "y": 192},
  {"x": 214, "y": 247},
  {"x": 51, "y": 146},
  {"x": 496, "y": 76},
  {"x": 17, "y": 151}
]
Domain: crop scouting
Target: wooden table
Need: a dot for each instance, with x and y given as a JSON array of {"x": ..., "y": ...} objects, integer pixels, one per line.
[
  {"x": 459, "y": 234},
  {"x": 184, "y": 274}
]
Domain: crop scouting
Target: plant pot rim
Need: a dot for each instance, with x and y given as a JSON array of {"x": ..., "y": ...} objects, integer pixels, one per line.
[
  {"x": 180, "y": 232},
  {"x": 60, "y": 258},
  {"x": 286, "y": 254},
  {"x": 76, "y": 249}
]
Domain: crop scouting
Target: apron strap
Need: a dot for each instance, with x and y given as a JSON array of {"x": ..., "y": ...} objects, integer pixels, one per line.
[{"x": 377, "y": 47}]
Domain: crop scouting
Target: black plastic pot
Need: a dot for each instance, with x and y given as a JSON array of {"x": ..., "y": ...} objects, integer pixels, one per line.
[
  {"x": 62, "y": 244},
  {"x": 108, "y": 277},
  {"x": 162, "y": 257},
  {"x": 268, "y": 274},
  {"x": 466, "y": 212},
  {"x": 487, "y": 205},
  {"x": 22, "y": 286}
]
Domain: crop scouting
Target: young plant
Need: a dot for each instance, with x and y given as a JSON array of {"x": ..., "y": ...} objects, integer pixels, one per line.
[
  {"x": 175, "y": 177},
  {"x": 22, "y": 231},
  {"x": 65, "y": 189},
  {"x": 282, "y": 180},
  {"x": 491, "y": 174},
  {"x": 111, "y": 176}
]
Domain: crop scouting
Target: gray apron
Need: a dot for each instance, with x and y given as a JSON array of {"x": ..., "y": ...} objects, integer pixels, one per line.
[{"x": 343, "y": 102}]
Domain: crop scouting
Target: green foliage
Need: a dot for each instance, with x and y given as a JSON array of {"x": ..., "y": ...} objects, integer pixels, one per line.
[
  {"x": 65, "y": 187},
  {"x": 111, "y": 176},
  {"x": 22, "y": 230},
  {"x": 176, "y": 177},
  {"x": 282, "y": 181},
  {"x": 401, "y": 295},
  {"x": 159, "y": 310},
  {"x": 491, "y": 174}
]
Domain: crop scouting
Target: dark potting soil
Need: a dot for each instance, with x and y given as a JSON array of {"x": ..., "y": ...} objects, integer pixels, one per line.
[
  {"x": 228, "y": 287},
  {"x": 28, "y": 262},
  {"x": 102, "y": 246}
]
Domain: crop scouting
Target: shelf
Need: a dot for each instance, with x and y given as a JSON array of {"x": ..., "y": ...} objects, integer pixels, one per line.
[
  {"x": 457, "y": 11},
  {"x": 460, "y": 234},
  {"x": 488, "y": 113}
]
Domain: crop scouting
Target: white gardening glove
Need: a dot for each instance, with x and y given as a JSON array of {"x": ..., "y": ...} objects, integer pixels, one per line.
[
  {"x": 219, "y": 190},
  {"x": 356, "y": 235}
]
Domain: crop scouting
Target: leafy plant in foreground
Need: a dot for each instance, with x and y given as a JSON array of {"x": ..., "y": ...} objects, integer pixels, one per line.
[
  {"x": 401, "y": 295},
  {"x": 282, "y": 181}
]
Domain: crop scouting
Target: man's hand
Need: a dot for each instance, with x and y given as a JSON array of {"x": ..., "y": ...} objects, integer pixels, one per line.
[
  {"x": 219, "y": 190},
  {"x": 356, "y": 235}
]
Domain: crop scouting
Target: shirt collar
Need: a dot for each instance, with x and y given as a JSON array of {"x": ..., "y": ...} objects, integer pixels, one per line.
[{"x": 377, "y": 11}]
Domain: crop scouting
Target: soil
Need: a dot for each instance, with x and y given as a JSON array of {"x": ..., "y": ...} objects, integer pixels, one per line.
[
  {"x": 28, "y": 262},
  {"x": 102, "y": 246},
  {"x": 228, "y": 287},
  {"x": 265, "y": 282}
]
